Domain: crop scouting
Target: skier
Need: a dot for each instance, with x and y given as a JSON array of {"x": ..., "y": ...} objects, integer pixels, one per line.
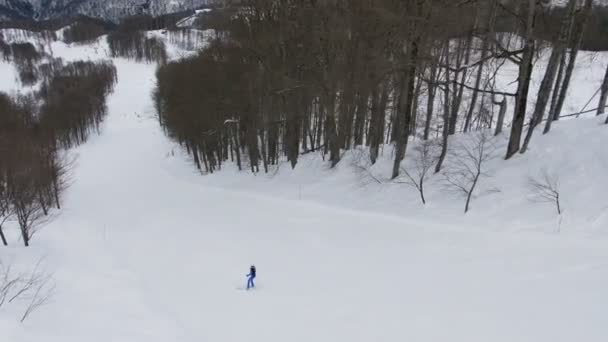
[{"x": 251, "y": 277}]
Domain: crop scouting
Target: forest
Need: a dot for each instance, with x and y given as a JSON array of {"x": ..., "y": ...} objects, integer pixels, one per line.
[
  {"x": 37, "y": 128},
  {"x": 67, "y": 103},
  {"x": 294, "y": 77}
]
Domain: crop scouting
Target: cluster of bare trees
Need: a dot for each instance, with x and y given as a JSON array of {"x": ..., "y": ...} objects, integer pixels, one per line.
[
  {"x": 84, "y": 30},
  {"x": 25, "y": 57},
  {"x": 186, "y": 38},
  {"x": 31, "y": 173},
  {"x": 146, "y": 22},
  {"x": 75, "y": 100},
  {"x": 34, "y": 130},
  {"x": 130, "y": 39},
  {"x": 138, "y": 46},
  {"x": 294, "y": 77}
]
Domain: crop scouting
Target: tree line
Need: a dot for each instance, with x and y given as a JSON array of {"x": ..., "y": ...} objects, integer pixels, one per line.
[
  {"x": 85, "y": 30},
  {"x": 130, "y": 39},
  {"x": 138, "y": 46},
  {"x": 35, "y": 130},
  {"x": 25, "y": 57},
  {"x": 293, "y": 77}
]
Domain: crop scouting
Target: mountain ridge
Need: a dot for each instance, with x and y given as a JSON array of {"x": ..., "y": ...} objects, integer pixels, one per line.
[{"x": 112, "y": 10}]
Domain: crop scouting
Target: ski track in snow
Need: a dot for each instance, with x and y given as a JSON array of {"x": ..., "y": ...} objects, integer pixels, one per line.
[{"x": 145, "y": 250}]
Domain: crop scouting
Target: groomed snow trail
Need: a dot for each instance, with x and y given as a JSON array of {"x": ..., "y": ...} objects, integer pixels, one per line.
[{"x": 143, "y": 252}]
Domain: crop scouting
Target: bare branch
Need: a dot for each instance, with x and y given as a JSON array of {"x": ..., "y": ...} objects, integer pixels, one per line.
[
  {"x": 44, "y": 293},
  {"x": 362, "y": 165},
  {"x": 467, "y": 165},
  {"x": 545, "y": 189},
  {"x": 425, "y": 156}
]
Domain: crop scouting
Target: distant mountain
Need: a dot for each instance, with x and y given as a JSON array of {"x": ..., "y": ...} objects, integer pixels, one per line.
[{"x": 111, "y": 10}]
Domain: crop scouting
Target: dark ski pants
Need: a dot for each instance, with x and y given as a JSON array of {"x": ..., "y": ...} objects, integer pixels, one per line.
[{"x": 250, "y": 283}]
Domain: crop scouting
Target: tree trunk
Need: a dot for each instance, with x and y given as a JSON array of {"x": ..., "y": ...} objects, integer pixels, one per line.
[
  {"x": 430, "y": 106},
  {"x": 523, "y": 86},
  {"x": 204, "y": 155},
  {"x": 25, "y": 236},
  {"x": 237, "y": 146},
  {"x": 346, "y": 115},
  {"x": 376, "y": 127},
  {"x": 195, "y": 155},
  {"x": 446, "y": 115},
  {"x": 331, "y": 134},
  {"x": 463, "y": 51},
  {"x": 263, "y": 151},
  {"x": 3, "y": 237},
  {"x": 404, "y": 114},
  {"x": 601, "y": 108},
  {"x": 575, "y": 44},
  {"x": 485, "y": 48},
  {"x": 560, "y": 75},
  {"x": 502, "y": 111},
  {"x": 484, "y": 52},
  {"x": 361, "y": 112},
  {"x": 56, "y": 192},
  {"x": 470, "y": 193},
  {"x": 543, "y": 97},
  {"x": 41, "y": 199},
  {"x": 414, "y": 121},
  {"x": 564, "y": 36}
]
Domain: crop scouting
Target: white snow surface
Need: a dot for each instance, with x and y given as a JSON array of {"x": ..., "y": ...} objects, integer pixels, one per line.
[{"x": 146, "y": 249}]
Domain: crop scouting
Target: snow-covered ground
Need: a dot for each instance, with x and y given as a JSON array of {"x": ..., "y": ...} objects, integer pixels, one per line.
[{"x": 145, "y": 249}]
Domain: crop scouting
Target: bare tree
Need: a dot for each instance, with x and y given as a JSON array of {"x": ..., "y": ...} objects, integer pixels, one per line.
[
  {"x": 425, "y": 157},
  {"x": 468, "y": 165},
  {"x": 29, "y": 210},
  {"x": 44, "y": 291},
  {"x": 362, "y": 165},
  {"x": 545, "y": 188},
  {"x": 36, "y": 288}
]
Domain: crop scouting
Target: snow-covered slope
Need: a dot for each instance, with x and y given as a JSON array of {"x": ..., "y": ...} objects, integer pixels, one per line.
[
  {"x": 563, "y": 3},
  {"x": 145, "y": 249}
]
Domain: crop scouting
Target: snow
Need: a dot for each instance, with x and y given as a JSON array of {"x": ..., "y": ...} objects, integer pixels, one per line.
[
  {"x": 563, "y": 3},
  {"x": 190, "y": 20},
  {"x": 9, "y": 77},
  {"x": 146, "y": 249}
]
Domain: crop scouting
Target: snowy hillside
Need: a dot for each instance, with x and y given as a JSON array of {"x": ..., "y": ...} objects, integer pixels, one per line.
[
  {"x": 146, "y": 249},
  {"x": 106, "y": 9},
  {"x": 563, "y": 3}
]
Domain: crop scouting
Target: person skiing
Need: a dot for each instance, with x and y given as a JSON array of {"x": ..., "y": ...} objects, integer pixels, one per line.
[{"x": 251, "y": 277}]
